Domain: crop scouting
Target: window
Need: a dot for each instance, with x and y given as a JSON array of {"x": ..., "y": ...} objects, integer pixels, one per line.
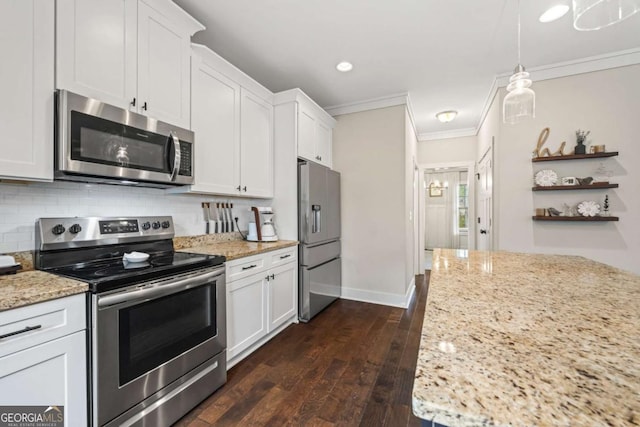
[{"x": 463, "y": 207}]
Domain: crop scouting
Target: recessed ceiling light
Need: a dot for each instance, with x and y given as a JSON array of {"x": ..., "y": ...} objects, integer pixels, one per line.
[
  {"x": 446, "y": 116},
  {"x": 553, "y": 13},
  {"x": 344, "y": 66}
]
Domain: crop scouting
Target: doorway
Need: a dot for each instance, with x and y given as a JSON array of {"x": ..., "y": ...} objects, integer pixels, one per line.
[{"x": 447, "y": 209}]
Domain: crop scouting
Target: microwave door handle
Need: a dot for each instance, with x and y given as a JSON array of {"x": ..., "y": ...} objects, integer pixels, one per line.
[{"x": 173, "y": 139}]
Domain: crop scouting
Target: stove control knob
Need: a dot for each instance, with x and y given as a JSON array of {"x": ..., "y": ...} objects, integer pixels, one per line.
[
  {"x": 75, "y": 229},
  {"x": 156, "y": 225},
  {"x": 58, "y": 229},
  {"x": 146, "y": 225},
  {"x": 166, "y": 224}
]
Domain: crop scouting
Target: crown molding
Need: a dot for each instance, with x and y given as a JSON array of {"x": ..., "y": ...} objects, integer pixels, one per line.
[
  {"x": 369, "y": 104},
  {"x": 446, "y": 134}
]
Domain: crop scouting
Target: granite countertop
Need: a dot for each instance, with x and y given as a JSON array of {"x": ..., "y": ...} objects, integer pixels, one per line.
[
  {"x": 228, "y": 246},
  {"x": 528, "y": 340},
  {"x": 30, "y": 287}
]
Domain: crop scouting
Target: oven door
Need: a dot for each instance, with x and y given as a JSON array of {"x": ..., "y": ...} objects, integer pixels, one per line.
[
  {"x": 151, "y": 334},
  {"x": 100, "y": 140}
]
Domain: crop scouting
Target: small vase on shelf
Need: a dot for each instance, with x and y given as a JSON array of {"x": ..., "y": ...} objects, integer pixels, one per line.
[{"x": 581, "y": 137}]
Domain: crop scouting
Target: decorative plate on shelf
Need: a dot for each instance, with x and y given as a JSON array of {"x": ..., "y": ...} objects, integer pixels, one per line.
[
  {"x": 546, "y": 178},
  {"x": 589, "y": 208}
]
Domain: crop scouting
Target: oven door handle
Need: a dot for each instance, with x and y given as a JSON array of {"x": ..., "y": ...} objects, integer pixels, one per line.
[
  {"x": 177, "y": 155},
  {"x": 157, "y": 290}
]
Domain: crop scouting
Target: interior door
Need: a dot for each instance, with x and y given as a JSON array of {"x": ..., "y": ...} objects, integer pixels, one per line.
[{"x": 484, "y": 239}]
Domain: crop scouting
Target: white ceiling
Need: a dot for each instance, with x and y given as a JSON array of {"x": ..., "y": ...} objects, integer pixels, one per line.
[{"x": 445, "y": 54}]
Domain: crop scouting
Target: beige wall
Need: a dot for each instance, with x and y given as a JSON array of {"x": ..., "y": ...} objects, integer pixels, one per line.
[
  {"x": 608, "y": 104},
  {"x": 369, "y": 152},
  {"x": 410, "y": 189},
  {"x": 444, "y": 151}
]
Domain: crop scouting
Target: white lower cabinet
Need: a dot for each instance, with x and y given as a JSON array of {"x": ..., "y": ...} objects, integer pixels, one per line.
[
  {"x": 43, "y": 358},
  {"x": 261, "y": 300}
]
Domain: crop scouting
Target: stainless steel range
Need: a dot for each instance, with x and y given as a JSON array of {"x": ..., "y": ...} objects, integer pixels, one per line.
[{"x": 157, "y": 326}]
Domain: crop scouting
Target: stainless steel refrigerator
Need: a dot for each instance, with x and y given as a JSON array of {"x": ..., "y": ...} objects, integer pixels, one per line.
[{"x": 320, "y": 275}]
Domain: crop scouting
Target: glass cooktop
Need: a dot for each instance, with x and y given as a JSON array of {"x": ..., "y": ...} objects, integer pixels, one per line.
[{"x": 111, "y": 273}]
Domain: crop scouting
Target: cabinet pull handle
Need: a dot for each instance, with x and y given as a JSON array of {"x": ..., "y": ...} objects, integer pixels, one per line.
[
  {"x": 285, "y": 256},
  {"x": 133, "y": 103},
  {"x": 249, "y": 267},
  {"x": 267, "y": 278},
  {"x": 238, "y": 188},
  {"x": 244, "y": 189},
  {"x": 21, "y": 331},
  {"x": 144, "y": 106},
  {"x": 319, "y": 157},
  {"x": 273, "y": 276}
]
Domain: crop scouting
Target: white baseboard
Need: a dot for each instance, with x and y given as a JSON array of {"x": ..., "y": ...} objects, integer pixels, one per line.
[{"x": 376, "y": 297}]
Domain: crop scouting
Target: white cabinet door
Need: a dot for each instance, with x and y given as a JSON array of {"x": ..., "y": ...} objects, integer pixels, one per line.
[
  {"x": 164, "y": 52},
  {"x": 96, "y": 49},
  {"x": 216, "y": 124},
  {"x": 26, "y": 84},
  {"x": 323, "y": 144},
  {"x": 282, "y": 294},
  {"x": 246, "y": 313},
  {"x": 49, "y": 374},
  {"x": 306, "y": 133},
  {"x": 256, "y": 145}
]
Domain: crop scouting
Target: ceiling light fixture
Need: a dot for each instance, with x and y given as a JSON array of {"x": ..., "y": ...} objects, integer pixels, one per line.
[
  {"x": 520, "y": 102},
  {"x": 591, "y": 15},
  {"x": 446, "y": 116},
  {"x": 554, "y": 13},
  {"x": 344, "y": 66}
]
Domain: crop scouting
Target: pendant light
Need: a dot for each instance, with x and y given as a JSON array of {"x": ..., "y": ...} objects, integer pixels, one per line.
[
  {"x": 591, "y": 15},
  {"x": 520, "y": 102}
]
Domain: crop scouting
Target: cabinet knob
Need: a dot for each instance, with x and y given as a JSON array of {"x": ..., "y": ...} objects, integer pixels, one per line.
[
  {"x": 273, "y": 276},
  {"x": 133, "y": 103},
  {"x": 238, "y": 188},
  {"x": 244, "y": 189},
  {"x": 144, "y": 106}
]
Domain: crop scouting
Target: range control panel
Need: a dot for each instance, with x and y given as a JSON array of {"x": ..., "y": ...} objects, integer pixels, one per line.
[{"x": 59, "y": 233}]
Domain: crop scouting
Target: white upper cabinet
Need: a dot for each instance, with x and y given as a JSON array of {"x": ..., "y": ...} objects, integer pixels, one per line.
[
  {"x": 314, "y": 127},
  {"x": 130, "y": 53},
  {"x": 26, "y": 83},
  {"x": 256, "y": 145},
  {"x": 232, "y": 118},
  {"x": 215, "y": 101},
  {"x": 96, "y": 49}
]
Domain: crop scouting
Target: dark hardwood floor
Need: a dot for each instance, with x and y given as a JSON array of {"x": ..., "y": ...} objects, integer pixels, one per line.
[{"x": 351, "y": 365}]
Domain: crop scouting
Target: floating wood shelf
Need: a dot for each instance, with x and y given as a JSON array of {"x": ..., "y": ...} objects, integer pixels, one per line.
[
  {"x": 595, "y": 186},
  {"x": 576, "y": 218},
  {"x": 574, "y": 157}
]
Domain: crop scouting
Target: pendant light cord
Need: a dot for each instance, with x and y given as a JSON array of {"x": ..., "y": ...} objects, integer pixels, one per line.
[{"x": 519, "y": 61}]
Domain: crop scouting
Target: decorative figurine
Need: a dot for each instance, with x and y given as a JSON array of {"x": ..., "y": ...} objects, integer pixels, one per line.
[
  {"x": 581, "y": 137},
  {"x": 606, "y": 205}
]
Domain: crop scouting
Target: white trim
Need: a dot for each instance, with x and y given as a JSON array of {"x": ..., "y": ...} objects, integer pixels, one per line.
[
  {"x": 446, "y": 134},
  {"x": 172, "y": 11},
  {"x": 298, "y": 95},
  {"x": 374, "y": 297},
  {"x": 590, "y": 64},
  {"x": 369, "y": 104},
  {"x": 411, "y": 116},
  {"x": 412, "y": 289}
]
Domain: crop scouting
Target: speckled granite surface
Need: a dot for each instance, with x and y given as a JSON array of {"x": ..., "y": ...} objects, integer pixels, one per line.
[
  {"x": 529, "y": 340},
  {"x": 31, "y": 287},
  {"x": 232, "y": 249},
  {"x": 183, "y": 242}
]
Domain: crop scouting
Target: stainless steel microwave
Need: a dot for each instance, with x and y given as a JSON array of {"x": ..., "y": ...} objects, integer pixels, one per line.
[{"x": 100, "y": 143}]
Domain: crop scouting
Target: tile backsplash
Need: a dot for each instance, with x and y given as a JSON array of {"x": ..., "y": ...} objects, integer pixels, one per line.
[{"x": 21, "y": 204}]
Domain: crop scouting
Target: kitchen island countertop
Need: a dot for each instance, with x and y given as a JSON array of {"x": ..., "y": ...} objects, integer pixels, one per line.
[
  {"x": 522, "y": 339},
  {"x": 231, "y": 249}
]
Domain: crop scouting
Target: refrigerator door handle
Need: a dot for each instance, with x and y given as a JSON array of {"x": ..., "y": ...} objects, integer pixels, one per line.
[{"x": 315, "y": 217}]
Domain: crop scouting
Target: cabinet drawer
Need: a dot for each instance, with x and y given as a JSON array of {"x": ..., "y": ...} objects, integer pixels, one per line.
[
  {"x": 244, "y": 267},
  {"x": 283, "y": 256},
  {"x": 28, "y": 326}
]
